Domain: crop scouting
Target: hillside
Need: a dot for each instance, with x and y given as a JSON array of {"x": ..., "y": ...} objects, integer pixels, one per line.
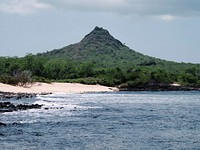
[
  {"x": 99, "y": 58},
  {"x": 102, "y": 49}
]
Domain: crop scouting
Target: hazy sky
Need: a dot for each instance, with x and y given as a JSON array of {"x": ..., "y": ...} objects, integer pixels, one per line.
[{"x": 167, "y": 29}]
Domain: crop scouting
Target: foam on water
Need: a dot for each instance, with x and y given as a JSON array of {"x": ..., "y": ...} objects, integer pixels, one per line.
[
  {"x": 125, "y": 120},
  {"x": 56, "y": 104},
  {"x": 61, "y": 101}
]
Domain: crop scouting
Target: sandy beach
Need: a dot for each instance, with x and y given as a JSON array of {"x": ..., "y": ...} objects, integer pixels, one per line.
[{"x": 40, "y": 88}]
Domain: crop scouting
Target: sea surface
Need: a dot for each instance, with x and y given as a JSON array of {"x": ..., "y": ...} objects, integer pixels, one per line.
[{"x": 105, "y": 121}]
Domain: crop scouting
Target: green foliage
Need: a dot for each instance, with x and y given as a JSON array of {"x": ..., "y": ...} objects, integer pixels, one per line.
[
  {"x": 20, "y": 78},
  {"x": 59, "y": 69},
  {"x": 7, "y": 79},
  {"x": 190, "y": 77},
  {"x": 110, "y": 76},
  {"x": 86, "y": 69},
  {"x": 160, "y": 76},
  {"x": 24, "y": 78}
]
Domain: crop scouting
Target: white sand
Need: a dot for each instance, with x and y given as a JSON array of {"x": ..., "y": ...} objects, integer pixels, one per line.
[{"x": 56, "y": 87}]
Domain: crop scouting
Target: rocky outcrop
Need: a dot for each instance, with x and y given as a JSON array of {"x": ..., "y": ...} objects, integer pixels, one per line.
[
  {"x": 8, "y": 95},
  {"x": 2, "y": 124},
  {"x": 9, "y": 107},
  {"x": 159, "y": 88}
]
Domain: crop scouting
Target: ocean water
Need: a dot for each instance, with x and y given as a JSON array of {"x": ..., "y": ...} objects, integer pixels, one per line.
[{"x": 105, "y": 121}]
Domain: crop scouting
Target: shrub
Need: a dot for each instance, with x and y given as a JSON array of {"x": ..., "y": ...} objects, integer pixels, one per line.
[{"x": 22, "y": 78}]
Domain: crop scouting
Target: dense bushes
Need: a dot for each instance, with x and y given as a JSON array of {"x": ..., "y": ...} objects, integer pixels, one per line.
[
  {"x": 19, "y": 71},
  {"x": 22, "y": 78}
]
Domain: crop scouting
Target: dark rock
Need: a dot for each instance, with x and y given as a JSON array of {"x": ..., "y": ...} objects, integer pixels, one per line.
[
  {"x": 25, "y": 107},
  {"x": 17, "y": 96},
  {"x": 9, "y": 107},
  {"x": 159, "y": 88},
  {"x": 16, "y": 123},
  {"x": 2, "y": 124}
]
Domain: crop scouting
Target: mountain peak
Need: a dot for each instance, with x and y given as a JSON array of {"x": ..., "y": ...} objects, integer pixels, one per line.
[
  {"x": 100, "y": 29},
  {"x": 100, "y": 35}
]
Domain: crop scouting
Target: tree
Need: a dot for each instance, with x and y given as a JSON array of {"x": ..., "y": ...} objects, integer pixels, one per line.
[
  {"x": 24, "y": 78},
  {"x": 58, "y": 69},
  {"x": 159, "y": 76},
  {"x": 188, "y": 79},
  {"x": 86, "y": 69}
]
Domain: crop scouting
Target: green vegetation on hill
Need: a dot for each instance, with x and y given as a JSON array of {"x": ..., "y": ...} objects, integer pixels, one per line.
[
  {"x": 98, "y": 58},
  {"x": 100, "y": 48}
]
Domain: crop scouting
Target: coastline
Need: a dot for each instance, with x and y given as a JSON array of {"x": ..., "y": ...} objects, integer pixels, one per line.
[
  {"x": 39, "y": 88},
  {"x": 160, "y": 88},
  {"x": 45, "y": 88}
]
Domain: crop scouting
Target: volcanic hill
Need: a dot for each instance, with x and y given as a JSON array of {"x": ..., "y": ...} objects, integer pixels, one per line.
[{"x": 103, "y": 50}]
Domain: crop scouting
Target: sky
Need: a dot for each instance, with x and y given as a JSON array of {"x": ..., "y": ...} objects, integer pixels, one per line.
[{"x": 166, "y": 29}]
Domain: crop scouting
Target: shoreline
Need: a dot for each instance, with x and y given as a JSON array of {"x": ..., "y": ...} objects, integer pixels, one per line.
[
  {"x": 160, "y": 88},
  {"x": 41, "y": 88}
]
